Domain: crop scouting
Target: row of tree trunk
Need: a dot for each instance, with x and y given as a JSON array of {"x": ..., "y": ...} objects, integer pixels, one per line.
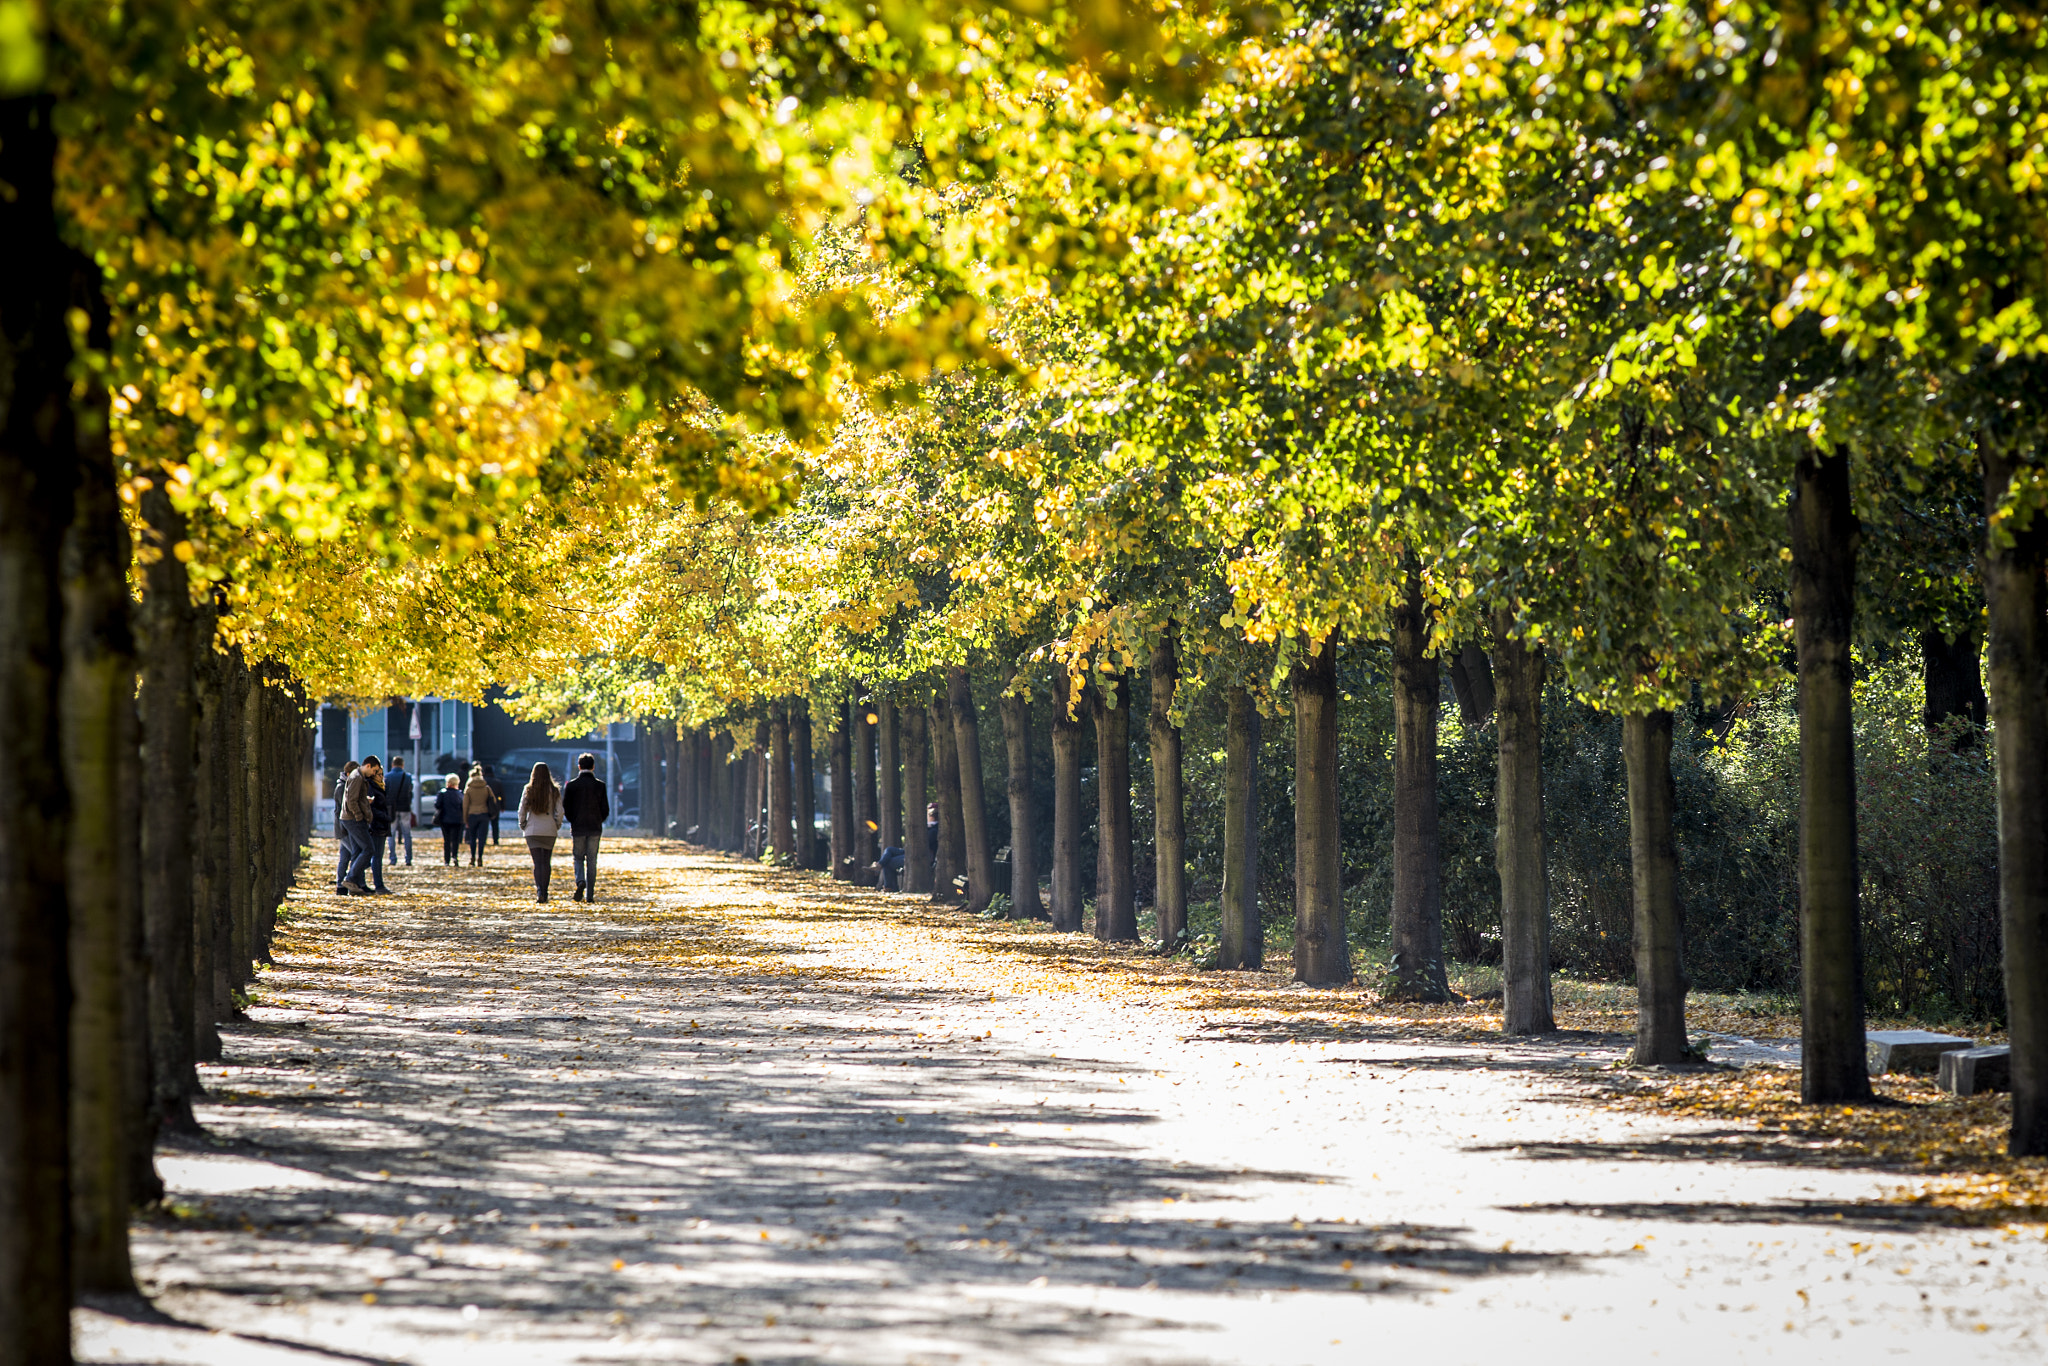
[{"x": 159, "y": 791}]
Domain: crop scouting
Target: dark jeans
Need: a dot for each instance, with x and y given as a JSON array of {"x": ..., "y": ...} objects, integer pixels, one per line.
[
  {"x": 348, "y": 850},
  {"x": 477, "y": 825},
  {"x": 451, "y": 843},
  {"x": 361, "y": 850},
  {"x": 542, "y": 847},
  {"x": 583, "y": 854}
]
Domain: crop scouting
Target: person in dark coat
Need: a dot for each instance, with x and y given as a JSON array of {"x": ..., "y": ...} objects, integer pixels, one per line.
[
  {"x": 341, "y": 835},
  {"x": 380, "y": 825},
  {"x": 358, "y": 819},
  {"x": 497, "y": 798},
  {"x": 399, "y": 782},
  {"x": 448, "y": 819},
  {"x": 588, "y": 807}
]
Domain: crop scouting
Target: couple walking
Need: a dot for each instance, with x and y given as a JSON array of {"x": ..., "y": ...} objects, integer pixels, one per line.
[
  {"x": 583, "y": 806},
  {"x": 362, "y": 819}
]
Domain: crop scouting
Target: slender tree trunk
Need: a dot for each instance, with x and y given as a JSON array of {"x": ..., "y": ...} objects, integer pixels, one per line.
[
  {"x": 1067, "y": 818},
  {"x": 757, "y": 791},
  {"x": 952, "y": 861},
  {"x": 169, "y": 760},
  {"x": 1243, "y": 936},
  {"x": 97, "y": 725},
  {"x": 2014, "y": 561},
  {"x": 917, "y": 854},
  {"x": 843, "y": 846},
  {"x": 781, "y": 776},
  {"x": 256, "y": 862},
  {"x": 214, "y": 785},
  {"x": 889, "y": 763},
  {"x": 1653, "y": 872},
  {"x": 727, "y": 794},
  {"x": 1953, "y": 688},
  {"x": 38, "y": 473},
  {"x": 1116, "y": 910},
  {"x": 234, "y": 678},
  {"x": 1322, "y": 946},
  {"x": 1824, "y": 535},
  {"x": 1472, "y": 683},
  {"x": 805, "y": 790},
  {"x": 1024, "y": 902},
  {"x": 1417, "y": 920},
  {"x": 1169, "y": 822},
  {"x": 1519, "y": 850},
  {"x": 981, "y": 862},
  {"x": 865, "y": 824}
]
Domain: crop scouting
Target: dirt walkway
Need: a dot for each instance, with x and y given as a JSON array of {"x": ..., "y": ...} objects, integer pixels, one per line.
[{"x": 728, "y": 1115}]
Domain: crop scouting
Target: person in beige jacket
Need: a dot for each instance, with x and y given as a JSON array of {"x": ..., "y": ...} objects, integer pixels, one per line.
[
  {"x": 476, "y": 814},
  {"x": 541, "y": 819}
]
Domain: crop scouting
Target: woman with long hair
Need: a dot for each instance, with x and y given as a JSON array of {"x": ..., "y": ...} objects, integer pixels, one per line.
[{"x": 541, "y": 820}]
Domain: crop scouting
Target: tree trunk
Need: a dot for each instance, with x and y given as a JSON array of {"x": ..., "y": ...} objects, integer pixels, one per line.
[
  {"x": 1824, "y": 534},
  {"x": 1653, "y": 876},
  {"x": 865, "y": 822},
  {"x": 1953, "y": 687},
  {"x": 951, "y": 869},
  {"x": 97, "y": 725},
  {"x": 781, "y": 776},
  {"x": 1169, "y": 822},
  {"x": 2018, "y": 619},
  {"x": 917, "y": 853},
  {"x": 38, "y": 473},
  {"x": 212, "y": 791},
  {"x": 169, "y": 759},
  {"x": 1116, "y": 910},
  {"x": 843, "y": 845},
  {"x": 234, "y": 770},
  {"x": 1518, "y": 845},
  {"x": 889, "y": 785},
  {"x": 804, "y": 786},
  {"x": 1417, "y": 919},
  {"x": 1322, "y": 948},
  {"x": 1244, "y": 936},
  {"x": 1067, "y": 818},
  {"x": 1024, "y": 902},
  {"x": 757, "y": 791},
  {"x": 981, "y": 861},
  {"x": 1472, "y": 683}
]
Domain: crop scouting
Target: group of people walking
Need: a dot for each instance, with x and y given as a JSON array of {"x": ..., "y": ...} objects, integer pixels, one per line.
[{"x": 370, "y": 808}]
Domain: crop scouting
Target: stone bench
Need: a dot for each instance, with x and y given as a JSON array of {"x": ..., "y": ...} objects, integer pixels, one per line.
[
  {"x": 1908, "y": 1050},
  {"x": 1968, "y": 1071}
]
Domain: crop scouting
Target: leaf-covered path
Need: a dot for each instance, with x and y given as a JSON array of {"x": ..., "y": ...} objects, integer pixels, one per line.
[{"x": 736, "y": 1115}]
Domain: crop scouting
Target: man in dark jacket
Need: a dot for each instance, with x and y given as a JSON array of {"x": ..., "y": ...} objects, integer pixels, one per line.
[
  {"x": 399, "y": 784},
  {"x": 380, "y": 823},
  {"x": 588, "y": 807}
]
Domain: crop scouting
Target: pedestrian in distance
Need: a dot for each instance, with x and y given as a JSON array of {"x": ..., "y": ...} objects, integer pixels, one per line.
[
  {"x": 358, "y": 812},
  {"x": 588, "y": 807},
  {"x": 477, "y": 805},
  {"x": 541, "y": 820},
  {"x": 497, "y": 787},
  {"x": 400, "y": 784},
  {"x": 341, "y": 835},
  {"x": 448, "y": 819}
]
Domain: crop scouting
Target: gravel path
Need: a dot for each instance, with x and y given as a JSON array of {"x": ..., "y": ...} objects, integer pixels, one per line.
[{"x": 730, "y": 1115}]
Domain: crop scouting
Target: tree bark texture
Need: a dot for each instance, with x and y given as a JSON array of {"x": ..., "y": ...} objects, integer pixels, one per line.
[
  {"x": 1169, "y": 819},
  {"x": 168, "y": 757},
  {"x": 1518, "y": 844},
  {"x": 100, "y": 740},
  {"x": 889, "y": 777},
  {"x": 757, "y": 790},
  {"x": 2018, "y": 640},
  {"x": 951, "y": 871},
  {"x": 1824, "y": 535},
  {"x": 1417, "y": 918},
  {"x": 843, "y": 845},
  {"x": 1472, "y": 684},
  {"x": 1243, "y": 938},
  {"x": 1116, "y": 909},
  {"x": 1067, "y": 817},
  {"x": 1322, "y": 948},
  {"x": 1016, "y": 706},
  {"x": 981, "y": 859},
  {"x": 38, "y": 473},
  {"x": 1653, "y": 876},
  {"x": 211, "y": 788},
  {"x": 235, "y": 690},
  {"x": 804, "y": 786}
]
